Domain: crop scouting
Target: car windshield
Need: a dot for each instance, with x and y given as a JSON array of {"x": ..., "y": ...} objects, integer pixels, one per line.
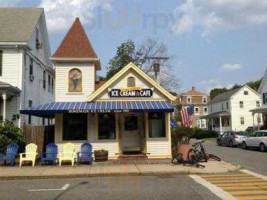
[{"x": 242, "y": 133}]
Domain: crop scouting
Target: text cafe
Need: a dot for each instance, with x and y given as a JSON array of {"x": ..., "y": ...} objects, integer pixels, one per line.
[{"x": 129, "y": 113}]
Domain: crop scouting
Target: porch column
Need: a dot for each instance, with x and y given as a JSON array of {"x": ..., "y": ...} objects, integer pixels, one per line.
[
  {"x": 253, "y": 121},
  {"x": 4, "y": 106},
  {"x": 212, "y": 124},
  {"x": 221, "y": 130},
  {"x": 147, "y": 131}
]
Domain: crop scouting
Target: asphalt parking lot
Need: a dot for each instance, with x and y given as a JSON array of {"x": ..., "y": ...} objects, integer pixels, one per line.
[{"x": 253, "y": 160}]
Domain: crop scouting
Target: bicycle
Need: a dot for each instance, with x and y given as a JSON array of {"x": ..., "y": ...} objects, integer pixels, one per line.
[{"x": 201, "y": 154}]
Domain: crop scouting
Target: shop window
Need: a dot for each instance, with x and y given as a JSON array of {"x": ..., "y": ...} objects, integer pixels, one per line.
[
  {"x": 131, "y": 123},
  {"x": 106, "y": 126},
  {"x": 156, "y": 125},
  {"x": 75, "y": 126},
  {"x": 75, "y": 80},
  {"x": 131, "y": 82}
]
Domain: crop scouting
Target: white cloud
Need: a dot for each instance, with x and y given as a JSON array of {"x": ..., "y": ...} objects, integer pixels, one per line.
[
  {"x": 231, "y": 67},
  {"x": 209, "y": 84},
  {"x": 61, "y": 13},
  {"x": 212, "y": 16}
]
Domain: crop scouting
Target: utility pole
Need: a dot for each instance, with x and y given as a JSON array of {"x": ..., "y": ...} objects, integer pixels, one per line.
[{"x": 156, "y": 63}]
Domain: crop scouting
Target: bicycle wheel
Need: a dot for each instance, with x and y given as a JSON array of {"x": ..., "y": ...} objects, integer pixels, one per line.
[
  {"x": 214, "y": 157},
  {"x": 192, "y": 157}
]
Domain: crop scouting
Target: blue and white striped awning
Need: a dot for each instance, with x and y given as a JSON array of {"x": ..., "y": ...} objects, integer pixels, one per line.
[
  {"x": 50, "y": 109},
  {"x": 174, "y": 124}
]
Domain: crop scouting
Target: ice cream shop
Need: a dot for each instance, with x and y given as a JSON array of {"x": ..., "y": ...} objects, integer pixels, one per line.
[{"x": 130, "y": 113}]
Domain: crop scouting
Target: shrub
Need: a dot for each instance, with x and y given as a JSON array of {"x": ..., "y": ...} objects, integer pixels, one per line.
[
  {"x": 8, "y": 134},
  {"x": 181, "y": 135},
  {"x": 200, "y": 134}
]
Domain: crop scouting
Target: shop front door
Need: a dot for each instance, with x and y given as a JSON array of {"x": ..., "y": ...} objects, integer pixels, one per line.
[{"x": 131, "y": 133}]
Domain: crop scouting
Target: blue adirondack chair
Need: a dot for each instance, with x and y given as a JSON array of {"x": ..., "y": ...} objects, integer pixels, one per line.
[
  {"x": 85, "y": 154},
  {"x": 11, "y": 152},
  {"x": 50, "y": 154}
]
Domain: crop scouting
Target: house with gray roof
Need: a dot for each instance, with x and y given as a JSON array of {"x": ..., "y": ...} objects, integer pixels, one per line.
[
  {"x": 231, "y": 110},
  {"x": 26, "y": 72}
]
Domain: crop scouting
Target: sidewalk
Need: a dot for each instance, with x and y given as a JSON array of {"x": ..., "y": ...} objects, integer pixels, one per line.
[{"x": 67, "y": 171}]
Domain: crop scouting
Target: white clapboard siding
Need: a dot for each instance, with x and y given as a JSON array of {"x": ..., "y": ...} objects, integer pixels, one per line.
[
  {"x": 11, "y": 74},
  {"x": 139, "y": 82},
  {"x": 88, "y": 81},
  {"x": 158, "y": 148}
]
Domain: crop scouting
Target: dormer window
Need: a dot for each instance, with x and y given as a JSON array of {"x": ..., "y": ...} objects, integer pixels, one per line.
[
  {"x": 189, "y": 100},
  {"x": 204, "y": 100},
  {"x": 131, "y": 82},
  {"x": 75, "y": 80}
]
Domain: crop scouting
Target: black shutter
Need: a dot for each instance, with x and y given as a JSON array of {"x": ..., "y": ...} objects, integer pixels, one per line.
[
  {"x": 263, "y": 98},
  {"x": 1, "y": 62}
]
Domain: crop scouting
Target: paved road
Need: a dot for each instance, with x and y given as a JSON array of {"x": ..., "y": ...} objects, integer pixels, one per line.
[
  {"x": 252, "y": 160},
  {"x": 132, "y": 187}
]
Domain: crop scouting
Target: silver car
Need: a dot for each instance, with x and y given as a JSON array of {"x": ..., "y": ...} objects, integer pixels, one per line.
[{"x": 231, "y": 138}]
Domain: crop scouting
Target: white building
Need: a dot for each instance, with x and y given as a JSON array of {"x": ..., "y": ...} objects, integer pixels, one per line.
[
  {"x": 263, "y": 92},
  {"x": 231, "y": 110},
  {"x": 26, "y": 73}
]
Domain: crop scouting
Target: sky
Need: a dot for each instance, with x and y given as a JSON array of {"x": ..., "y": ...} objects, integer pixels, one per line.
[{"x": 215, "y": 43}]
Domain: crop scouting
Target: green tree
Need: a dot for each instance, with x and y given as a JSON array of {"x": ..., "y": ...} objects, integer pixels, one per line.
[
  {"x": 126, "y": 53},
  {"x": 254, "y": 84},
  {"x": 216, "y": 91}
]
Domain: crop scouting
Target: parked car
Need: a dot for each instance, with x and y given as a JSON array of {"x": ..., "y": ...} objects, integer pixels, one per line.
[
  {"x": 258, "y": 139},
  {"x": 231, "y": 138}
]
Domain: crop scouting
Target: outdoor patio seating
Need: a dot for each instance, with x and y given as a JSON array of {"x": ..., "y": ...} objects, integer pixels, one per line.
[
  {"x": 85, "y": 154},
  {"x": 50, "y": 154},
  {"x": 29, "y": 155},
  {"x": 68, "y": 154},
  {"x": 11, "y": 152}
]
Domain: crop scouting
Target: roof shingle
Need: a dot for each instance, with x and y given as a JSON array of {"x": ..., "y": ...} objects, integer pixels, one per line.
[
  {"x": 17, "y": 24},
  {"x": 75, "y": 44}
]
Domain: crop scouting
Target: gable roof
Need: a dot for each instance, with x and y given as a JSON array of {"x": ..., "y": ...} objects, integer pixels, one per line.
[
  {"x": 224, "y": 96},
  {"x": 17, "y": 24},
  {"x": 227, "y": 95},
  {"x": 193, "y": 92},
  {"x": 263, "y": 81},
  {"x": 75, "y": 44},
  {"x": 123, "y": 71}
]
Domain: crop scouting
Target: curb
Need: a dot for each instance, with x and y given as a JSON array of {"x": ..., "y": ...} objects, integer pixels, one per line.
[{"x": 188, "y": 172}]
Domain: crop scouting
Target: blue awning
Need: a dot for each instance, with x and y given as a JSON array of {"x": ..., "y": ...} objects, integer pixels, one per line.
[
  {"x": 50, "y": 109},
  {"x": 174, "y": 124}
]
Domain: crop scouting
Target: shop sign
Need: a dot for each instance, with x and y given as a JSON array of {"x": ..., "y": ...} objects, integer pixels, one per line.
[
  {"x": 131, "y": 92},
  {"x": 98, "y": 111}
]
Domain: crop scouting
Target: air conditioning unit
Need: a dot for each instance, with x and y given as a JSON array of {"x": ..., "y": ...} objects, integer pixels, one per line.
[
  {"x": 31, "y": 77},
  {"x": 39, "y": 45}
]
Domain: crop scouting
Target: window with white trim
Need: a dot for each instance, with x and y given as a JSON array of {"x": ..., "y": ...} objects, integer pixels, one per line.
[
  {"x": 242, "y": 120},
  {"x": 241, "y": 104},
  {"x": 189, "y": 100}
]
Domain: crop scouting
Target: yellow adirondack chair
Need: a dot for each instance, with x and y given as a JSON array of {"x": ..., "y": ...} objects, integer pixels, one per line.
[
  {"x": 68, "y": 153},
  {"x": 29, "y": 155}
]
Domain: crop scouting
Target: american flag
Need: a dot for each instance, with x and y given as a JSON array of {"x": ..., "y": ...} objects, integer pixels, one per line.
[{"x": 187, "y": 115}]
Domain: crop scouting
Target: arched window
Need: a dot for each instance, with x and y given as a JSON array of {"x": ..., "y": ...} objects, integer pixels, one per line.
[
  {"x": 131, "y": 82},
  {"x": 75, "y": 80}
]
